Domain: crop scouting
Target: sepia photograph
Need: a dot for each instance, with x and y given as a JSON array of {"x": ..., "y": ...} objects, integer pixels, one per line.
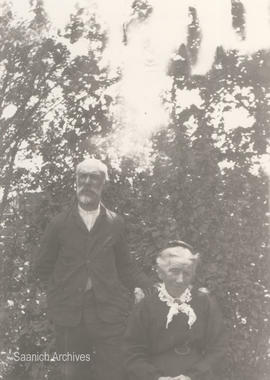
[{"x": 134, "y": 189}]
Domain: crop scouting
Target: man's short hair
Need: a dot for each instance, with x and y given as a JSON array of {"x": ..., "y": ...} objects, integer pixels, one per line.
[{"x": 92, "y": 164}]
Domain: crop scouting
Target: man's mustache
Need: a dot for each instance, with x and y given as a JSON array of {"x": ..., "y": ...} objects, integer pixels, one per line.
[{"x": 87, "y": 190}]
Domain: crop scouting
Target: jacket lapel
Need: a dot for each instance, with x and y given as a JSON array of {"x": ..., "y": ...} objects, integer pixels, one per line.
[
  {"x": 98, "y": 225},
  {"x": 100, "y": 235},
  {"x": 77, "y": 218}
]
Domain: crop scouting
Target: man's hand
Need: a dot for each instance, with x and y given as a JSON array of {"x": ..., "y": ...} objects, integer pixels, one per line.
[
  {"x": 151, "y": 290},
  {"x": 139, "y": 294}
]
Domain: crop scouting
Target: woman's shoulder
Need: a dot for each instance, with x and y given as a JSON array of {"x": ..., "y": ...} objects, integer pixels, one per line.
[
  {"x": 203, "y": 291},
  {"x": 150, "y": 303},
  {"x": 144, "y": 310},
  {"x": 203, "y": 295},
  {"x": 207, "y": 298}
]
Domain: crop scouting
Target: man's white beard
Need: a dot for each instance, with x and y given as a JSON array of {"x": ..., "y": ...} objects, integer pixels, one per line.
[{"x": 84, "y": 199}]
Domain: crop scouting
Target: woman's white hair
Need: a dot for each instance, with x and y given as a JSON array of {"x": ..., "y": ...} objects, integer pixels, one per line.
[{"x": 177, "y": 253}]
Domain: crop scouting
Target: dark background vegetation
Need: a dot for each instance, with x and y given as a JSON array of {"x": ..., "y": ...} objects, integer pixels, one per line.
[{"x": 188, "y": 193}]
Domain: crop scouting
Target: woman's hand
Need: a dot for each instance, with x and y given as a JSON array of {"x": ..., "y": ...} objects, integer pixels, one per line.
[{"x": 180, "y": 377}]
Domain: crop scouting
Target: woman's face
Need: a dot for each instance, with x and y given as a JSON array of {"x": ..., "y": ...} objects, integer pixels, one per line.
[{"x": 176, "y": 268}]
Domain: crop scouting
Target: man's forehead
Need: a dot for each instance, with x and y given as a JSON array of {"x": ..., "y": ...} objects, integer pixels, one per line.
[
  {"x": 175, "y": 264},
  {"x": 86, "y": 170}
]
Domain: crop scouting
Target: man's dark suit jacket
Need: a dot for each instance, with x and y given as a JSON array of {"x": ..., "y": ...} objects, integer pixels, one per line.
[{"x": 70, "y": 254}]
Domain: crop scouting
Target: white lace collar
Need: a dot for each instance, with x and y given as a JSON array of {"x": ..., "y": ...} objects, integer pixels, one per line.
[{"x": 175, "y": 307}]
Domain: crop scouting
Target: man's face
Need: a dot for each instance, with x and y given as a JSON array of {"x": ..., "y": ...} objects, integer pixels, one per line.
[
  {"x": 176, "y": 271},
  {"x": 89, "y": 187}
]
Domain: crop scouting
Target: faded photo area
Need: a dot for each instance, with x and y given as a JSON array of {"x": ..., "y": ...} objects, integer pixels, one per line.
[{"x": 134, "y": 189}]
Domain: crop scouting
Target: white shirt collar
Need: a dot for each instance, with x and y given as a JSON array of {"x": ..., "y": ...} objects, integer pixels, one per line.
[
  {"x": 89, "y": 217},
  {"x": 86, "y": 212}
]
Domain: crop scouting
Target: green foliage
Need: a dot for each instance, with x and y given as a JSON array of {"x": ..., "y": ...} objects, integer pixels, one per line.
[{"x": 204, "y": 185}]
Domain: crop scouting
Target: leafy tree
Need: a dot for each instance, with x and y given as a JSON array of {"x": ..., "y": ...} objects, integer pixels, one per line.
[
  {"x": 31, "y": 67},
  {"x": 204, "y": 185}
]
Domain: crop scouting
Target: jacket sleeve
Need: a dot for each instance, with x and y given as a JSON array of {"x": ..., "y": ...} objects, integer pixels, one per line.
[
  {"x": 129, "y": 273},
  {"x": 136, "y": 343},
  {"x": 48, "y": 253},
  {"x": 214, "y": 342}
]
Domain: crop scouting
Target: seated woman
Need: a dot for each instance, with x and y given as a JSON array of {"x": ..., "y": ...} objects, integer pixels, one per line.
[{"x": 177, "y": 333}]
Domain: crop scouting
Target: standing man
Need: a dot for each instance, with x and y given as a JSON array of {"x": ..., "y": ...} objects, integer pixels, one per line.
[{"x": 85, "y": 260}]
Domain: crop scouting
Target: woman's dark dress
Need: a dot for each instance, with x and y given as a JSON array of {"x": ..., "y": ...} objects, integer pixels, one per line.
[{"x": 153, "y": 350}]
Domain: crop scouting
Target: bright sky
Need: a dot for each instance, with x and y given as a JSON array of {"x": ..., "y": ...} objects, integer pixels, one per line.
[
  {"x": 144, "y": 60},
  {"x": 58, "y": 11}
]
